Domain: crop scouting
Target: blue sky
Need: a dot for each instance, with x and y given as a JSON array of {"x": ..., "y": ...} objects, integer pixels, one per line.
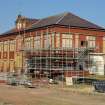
[{"x": 92, "y": 10}]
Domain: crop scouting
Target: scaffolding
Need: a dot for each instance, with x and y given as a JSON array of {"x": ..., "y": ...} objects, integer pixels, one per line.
[{"x": 57, "y": 63}]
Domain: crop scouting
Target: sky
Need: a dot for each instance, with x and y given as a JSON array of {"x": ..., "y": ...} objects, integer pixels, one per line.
[{"x": 92, "y": 10}]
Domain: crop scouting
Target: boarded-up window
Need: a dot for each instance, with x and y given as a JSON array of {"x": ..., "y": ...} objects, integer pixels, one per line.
[
  {"x": 0, "y": 55},
  {"x": 6, "y": 46},
  {"x": 5, "y": 55},
  {"x": 12, "y": 45},
  {"x": 1, "y": 46},
  {"x": 19, "y": 43},
  {"x": 1, "y": 49},
  {"x": 11, "y": 55}
]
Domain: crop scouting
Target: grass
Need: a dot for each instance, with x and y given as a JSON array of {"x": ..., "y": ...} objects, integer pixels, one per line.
[
  {"x": 98, "y": 77},
  {"x": 4, "y": 103}
]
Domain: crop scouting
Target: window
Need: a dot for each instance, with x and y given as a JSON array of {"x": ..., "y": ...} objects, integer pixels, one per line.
[
  {"x": 53, "y": 40},
  {"x": 12, "y": 45},
  {"x": 76, "y": 41},
  {"x": 19, "y": 25},
  {"x": 29, "y": 42},
  {"x": 6, "y": 46},
  {"x": 24, "y": 25},
  {"x": 57, "y": 40},
  {"x": 19, "y": 42},
  {"x": 47, "y": 41},
  {"x": 83, "y": 43},
  {"x": 1, "y": 49},
  {"x": 91, "y": 41},
  {"x": 103, "y": 38},
  {"x": 66, "y": 40},
  {"x": 37, "y": 42},
  {"x": 1, "y": 46}
]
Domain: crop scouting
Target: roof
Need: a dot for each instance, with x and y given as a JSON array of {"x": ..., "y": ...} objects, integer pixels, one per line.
[
  {"x": 67, "y": 19},
  {"x": 20, "y": 17},
  {"x": 32, "y": 21},
  {"x": 13, "y": 30}
]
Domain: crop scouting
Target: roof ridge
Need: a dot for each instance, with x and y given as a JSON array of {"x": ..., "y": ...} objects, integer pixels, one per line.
[
  {"x": 49, "y": 17},
  {"x": 54, "y": 15},
  {"x": 85, "y": 20},
  {"x": 62, "y": 17},
  {"x": 35, "y": 23}
]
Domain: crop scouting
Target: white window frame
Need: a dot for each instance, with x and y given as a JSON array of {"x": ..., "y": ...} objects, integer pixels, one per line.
[
  {"x": 57, "y": 40},
  {"x": 67, "y": 40},
  {"x": 47, "y": 41},
  {"x": 37, "y": 42},
  {"x": 91, "y": 41}
]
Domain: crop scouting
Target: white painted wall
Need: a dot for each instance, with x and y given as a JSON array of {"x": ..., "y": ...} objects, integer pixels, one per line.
[{"x": 98, "y": 65}]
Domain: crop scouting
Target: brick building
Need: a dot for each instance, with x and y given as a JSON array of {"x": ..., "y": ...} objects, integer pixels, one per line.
[{"x": 54, "y": 43}]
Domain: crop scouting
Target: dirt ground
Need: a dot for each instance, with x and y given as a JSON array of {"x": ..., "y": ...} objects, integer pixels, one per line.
[{"x": 47, "y": 96}]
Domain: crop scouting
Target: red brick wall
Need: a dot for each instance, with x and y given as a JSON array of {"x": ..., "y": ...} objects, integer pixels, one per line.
[
  {"x": 11, "y": 55},
  {"x": 76, "y": 73},
  {"x": 81, "y": 32}
]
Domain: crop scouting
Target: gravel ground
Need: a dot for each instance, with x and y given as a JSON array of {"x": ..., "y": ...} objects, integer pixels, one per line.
[{"x": 47, "y": 96}]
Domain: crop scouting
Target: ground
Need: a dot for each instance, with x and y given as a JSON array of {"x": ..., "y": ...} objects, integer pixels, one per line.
[{"x": 48, "y": 96}]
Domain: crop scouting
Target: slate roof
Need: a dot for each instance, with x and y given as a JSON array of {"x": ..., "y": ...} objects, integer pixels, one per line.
[
  {"x": 32, "y": 21},
  {"x": 67, "y": 19},
  {"x": 13, "y": 30}
]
